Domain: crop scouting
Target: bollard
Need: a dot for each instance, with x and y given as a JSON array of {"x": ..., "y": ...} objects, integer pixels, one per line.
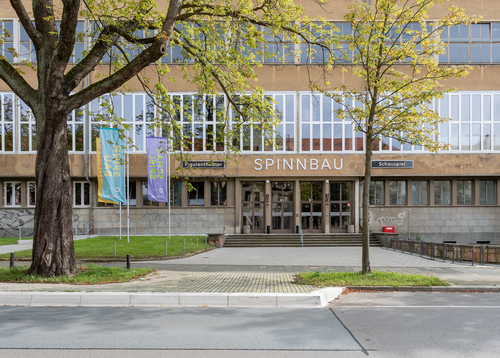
[
  {"x": 184, "y": 245},
  {"x": 115, "y": 248},
  {"x": 166, "y": 248},
  {"x": 128, "y": 261},
  {"x": 11, "y": 260},
  {"x": 20, "y": 238},
  {"x": 196, "y": 242}
]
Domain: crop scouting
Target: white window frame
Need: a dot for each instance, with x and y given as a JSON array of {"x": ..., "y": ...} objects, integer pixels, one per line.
[
  {"x": 13, "y": 194},
  {"x": 82, "y": 194}
]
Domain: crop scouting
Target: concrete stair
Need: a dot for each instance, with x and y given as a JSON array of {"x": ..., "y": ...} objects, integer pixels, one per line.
[{"x": 293, "y": 240}]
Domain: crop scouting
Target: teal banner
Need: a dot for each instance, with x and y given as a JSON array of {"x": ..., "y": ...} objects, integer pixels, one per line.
[{"x": 113, "y": 165}]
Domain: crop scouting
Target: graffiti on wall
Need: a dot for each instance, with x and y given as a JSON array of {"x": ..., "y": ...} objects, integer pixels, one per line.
[
  {"x": 398, "y": 221},
  {"x": 11, "y": 220}
]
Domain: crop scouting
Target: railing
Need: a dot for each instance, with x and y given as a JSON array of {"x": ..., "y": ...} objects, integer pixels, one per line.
[
  {"x": 112, "y": 228},
  {"x": 459, "y": 252}
]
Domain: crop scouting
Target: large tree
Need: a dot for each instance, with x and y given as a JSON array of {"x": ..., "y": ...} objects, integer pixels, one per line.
[
  {"x": 219, "y": 40},
  {"x": 394, "y": 49}
]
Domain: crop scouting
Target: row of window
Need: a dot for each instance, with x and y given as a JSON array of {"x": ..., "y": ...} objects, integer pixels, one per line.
[
  {"x": 474, "y": 124},
  {"x": 420, "y": 193},
  {"x": 12, "y": 194},
  {"x": 477, "y": 43}
]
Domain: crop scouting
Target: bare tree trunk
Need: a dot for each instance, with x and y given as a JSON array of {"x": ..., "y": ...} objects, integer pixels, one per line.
[
  {"x": 53, "y": 251},
  {"x": 365, "y": 256}
]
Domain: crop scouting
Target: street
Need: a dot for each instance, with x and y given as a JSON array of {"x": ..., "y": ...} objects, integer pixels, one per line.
[{"x": 384, "y": 324}]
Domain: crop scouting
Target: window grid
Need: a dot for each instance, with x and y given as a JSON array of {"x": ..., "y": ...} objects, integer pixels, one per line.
[
  {"x": 7, "y": 122},
  {"x": 31, "y": 186},
  {"x": 487, "y": 192},
  {"x": 420, "y": 192},
  {"x": 321, "y": 130},
  {"x": 12, "y": 194},
  {"x": 397, "y": 192},
  {"x": 81, "y": 194},
  {"x": 27, "y": 129},
  {"x": 376, "y": 192},
  {"x": 442, "y": 192}
]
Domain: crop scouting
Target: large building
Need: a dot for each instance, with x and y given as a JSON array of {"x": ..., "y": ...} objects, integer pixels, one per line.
[{"x": 312, "y": 178}]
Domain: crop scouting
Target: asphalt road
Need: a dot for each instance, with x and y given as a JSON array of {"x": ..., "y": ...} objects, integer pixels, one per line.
[{"x": 357, "y": 325}]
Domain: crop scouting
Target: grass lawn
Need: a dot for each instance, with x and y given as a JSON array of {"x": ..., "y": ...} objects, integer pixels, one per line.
[
  {"x": 8, "y": 241},
  {"x": 139, "y": 247},
  {"x": 90, "y": 274},
  {"x": 318, "y": 278}
]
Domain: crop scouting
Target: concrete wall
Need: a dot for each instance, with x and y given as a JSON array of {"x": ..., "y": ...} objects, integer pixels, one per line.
[{"x": 462, "y": 224}]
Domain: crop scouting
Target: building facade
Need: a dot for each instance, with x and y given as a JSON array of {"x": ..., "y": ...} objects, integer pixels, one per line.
[{"x": 312, "y": 178}]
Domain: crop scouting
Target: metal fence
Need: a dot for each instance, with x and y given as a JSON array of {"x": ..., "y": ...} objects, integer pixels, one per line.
[
  {"x": 478, "y": 253},
  {"x": 112, "y": 228}
]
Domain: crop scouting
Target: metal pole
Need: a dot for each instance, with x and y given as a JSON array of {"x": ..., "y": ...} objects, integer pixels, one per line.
[
  {"x": 120, "y": 220},
  {"x": 408, "y": 224},
  {"x": 197, "y": 242},
  {"x": 168, "y": 187},
  {"x": 184, "y": 245},
  {"x": 166, "y": 248},
  {"x": 11, "y": 260},
  {"x": 115, "y": 250},
  {"x": 128, "y": 194},
  {"x": 20, "y": 233}
]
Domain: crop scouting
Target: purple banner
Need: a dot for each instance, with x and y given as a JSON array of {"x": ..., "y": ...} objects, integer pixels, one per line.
[{"x": 157, "y": 169}]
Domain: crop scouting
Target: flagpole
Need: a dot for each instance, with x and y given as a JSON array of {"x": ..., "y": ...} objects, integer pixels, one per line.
[
  {"x": 120, "y": 220},
  {"x": 128, "y": 194},
  {"x": 169, "y": 198}
]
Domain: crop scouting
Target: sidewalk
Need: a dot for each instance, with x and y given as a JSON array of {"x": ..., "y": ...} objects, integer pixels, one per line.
[{"x": 257, "y": 271}]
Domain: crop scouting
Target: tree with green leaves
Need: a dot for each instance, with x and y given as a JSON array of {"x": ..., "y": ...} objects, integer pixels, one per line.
[
  {"x": 219, "y": 44},
  {"x": 394, "y": 49}
]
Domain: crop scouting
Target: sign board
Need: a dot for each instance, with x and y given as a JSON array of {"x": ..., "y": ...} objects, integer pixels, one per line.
[
  {"x": 392, "y": 164},
  {"x": 204, "y": 164}
]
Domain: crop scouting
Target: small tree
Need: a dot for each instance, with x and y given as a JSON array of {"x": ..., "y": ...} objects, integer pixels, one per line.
[
  {"x": 394, "y": 49},
  {"x": 218, "y": 43}
]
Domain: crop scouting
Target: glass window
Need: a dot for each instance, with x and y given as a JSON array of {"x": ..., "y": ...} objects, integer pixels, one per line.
[
  {"x": 145, "y": 200},
  {"x": 175, "y": 193},
  {"x": 442, "y": 192},
  {"x": 81, "y": 194},
  {"x": 31, "y": 186},
  {"x": 7, "y": 123},
  {"x": 419, "y": 192},
  {"x": 464, "y": 192},
  {"x": 7, "y": 47},
  {"x": 12, "y": 194},
  {"x": 132, "y": 192},
  {"x": 397, "y": 192},
  {"x": 377, "y": 192},
  {"x": 218, "y": 193},
  {"x": 487, "y": 192},
  {"x": 197, "y": 195}
]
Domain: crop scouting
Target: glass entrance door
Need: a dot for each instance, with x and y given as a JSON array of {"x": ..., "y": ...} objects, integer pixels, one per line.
[
  {"x": 340, "y": 206},
  {"x": 282, "y": 207},
  {"x": 252, "y": 198},
  {"x": 311, "y": 202}
]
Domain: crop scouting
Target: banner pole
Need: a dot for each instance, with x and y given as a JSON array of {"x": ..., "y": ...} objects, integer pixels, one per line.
[
  {"x": 168, "y": 187},
  {"x": 128, "y": 194},
  {"x": 120, "y": 220}
]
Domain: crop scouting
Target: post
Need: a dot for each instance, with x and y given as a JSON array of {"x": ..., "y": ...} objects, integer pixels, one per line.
[
  {"x": 128, "y": 261},
  {"x": 166, "y": 248},
  {"x": 184, "y": 245},
  {"x": 168, "y": 188},
  {"x": 128, "y": 194},
  {"x": 11, "y": 260},
  {"x": 120, "y": 220},
  {"x": 408, "y": 224},
  {"x": 196, "y": 242},
  {"x": 20, "y": 235},
  {"x": 115, "y": 250}
]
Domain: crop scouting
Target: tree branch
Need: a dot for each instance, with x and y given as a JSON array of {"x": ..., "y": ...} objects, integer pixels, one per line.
[
  {"x": 25, "y": 19},
  {"x": 17, "y": 83}
]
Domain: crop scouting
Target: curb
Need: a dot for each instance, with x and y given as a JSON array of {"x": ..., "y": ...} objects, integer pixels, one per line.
[
  {"x": 427, "y": 288},
  {"x": 315, "y": 299}
]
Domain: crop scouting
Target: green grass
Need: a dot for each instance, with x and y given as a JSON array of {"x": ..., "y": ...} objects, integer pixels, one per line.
[
  {"x": 8, "y": 241},
  {"x": 90, "y": 274},
  {"x": 139, "y": 247},
  {"x": 318, "y": 278}
]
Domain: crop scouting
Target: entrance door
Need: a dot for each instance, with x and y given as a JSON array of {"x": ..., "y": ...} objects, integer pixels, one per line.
[
  {"x": 311, "y": 202},
  {"x": 340, "y": 206},
  {"x": 252, "y": 198},
  {"x": 282, "y": 207}
]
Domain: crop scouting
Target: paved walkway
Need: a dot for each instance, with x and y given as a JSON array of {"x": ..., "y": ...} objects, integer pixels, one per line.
[{"x": 271, "y": 270}]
